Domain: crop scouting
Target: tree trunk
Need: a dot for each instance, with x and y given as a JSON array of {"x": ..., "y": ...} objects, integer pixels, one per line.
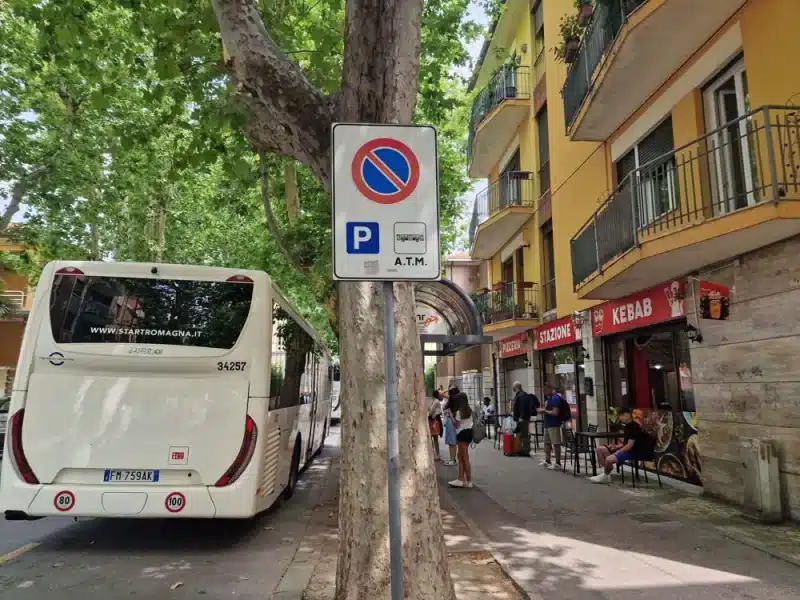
[
  {"x": 379, "y": 85},
  {"x": 290, "y": 190},
  {"x": 363, "y": 567},
  {"x": 290, "y": 117}
]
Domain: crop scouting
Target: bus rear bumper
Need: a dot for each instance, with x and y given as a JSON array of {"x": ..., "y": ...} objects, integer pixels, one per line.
[{"x": 65, "y": 500}]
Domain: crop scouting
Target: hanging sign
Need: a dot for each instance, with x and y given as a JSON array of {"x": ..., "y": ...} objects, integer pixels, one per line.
[
  {"x": 657, "y": 305},
  {"x": 715, "y": 301}
]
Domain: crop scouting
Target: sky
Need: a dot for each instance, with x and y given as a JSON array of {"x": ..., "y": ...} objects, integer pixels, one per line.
[{"x": 476, "y": 14}]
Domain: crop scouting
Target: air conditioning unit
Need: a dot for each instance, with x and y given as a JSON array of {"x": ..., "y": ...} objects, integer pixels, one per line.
[{"x": 762, "y": 482}]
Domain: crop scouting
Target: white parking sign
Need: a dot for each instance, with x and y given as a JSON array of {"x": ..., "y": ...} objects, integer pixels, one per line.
[{"x": 385, "y": 203}]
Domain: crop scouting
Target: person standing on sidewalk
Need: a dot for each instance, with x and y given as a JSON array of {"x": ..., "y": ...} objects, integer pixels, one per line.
[
  {"x": 524, "y": 406},
  {"x": 462, "y": 414},
  {"x": 553, "y": 435},
  {"x": 449, "y": 431},
  {"x": 435, "y": 423}
]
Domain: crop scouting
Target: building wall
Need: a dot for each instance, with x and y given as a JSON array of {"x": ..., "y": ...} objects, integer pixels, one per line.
[
  {"x": 746, "y": 373},
  {"x": 10, "y": 342}
]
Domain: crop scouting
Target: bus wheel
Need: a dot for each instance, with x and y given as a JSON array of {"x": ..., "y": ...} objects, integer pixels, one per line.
[{"x": 294, "y": 472}]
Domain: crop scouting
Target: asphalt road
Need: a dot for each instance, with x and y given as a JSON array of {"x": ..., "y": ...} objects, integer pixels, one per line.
[{"x": 111, "y": 559}]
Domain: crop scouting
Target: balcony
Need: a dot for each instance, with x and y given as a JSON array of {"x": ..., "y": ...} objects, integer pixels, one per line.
[
  {"x": 497, "y": 112},
  {"x": 12, "y": 303},
  {"x": 509, "y": 308},
  {"x": 500, "y": 211},
  {"x": 732, "y": 191},
  {"x": 622, "y": 60}
]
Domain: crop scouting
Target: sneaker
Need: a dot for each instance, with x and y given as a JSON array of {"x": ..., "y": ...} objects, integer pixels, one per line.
[
  {"x": 467, "y": 484},
  {"x": 602, "y": 478},
  {"x": 544, "y": 463},
  {"x": 555, "y": 467},
  {"x": 456, "y": 483},
  {"x": 449, "y": 463}
]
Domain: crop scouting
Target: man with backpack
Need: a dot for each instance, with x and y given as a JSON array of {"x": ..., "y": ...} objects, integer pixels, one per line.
[
  {"x": 525, "y": 405},
  {"x": 554, "y": 417}
]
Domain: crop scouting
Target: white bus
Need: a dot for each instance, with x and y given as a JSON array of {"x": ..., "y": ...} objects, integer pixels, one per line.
[{"x": 161, "y": 390}]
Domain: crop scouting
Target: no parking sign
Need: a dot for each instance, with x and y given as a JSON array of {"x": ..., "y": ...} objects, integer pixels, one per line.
[{"x": 385, "y": 203}]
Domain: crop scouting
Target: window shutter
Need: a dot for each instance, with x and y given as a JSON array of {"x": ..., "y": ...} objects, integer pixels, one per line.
[
  {"x": 659, "y": 142},
  {"x": 626, "y": 165}
]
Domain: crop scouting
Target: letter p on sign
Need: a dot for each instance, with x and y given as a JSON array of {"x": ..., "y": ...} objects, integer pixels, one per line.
[{"x": 363, "y": 238}]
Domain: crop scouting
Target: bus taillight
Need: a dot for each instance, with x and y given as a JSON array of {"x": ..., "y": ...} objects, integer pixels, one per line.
[
  {"x": 245, "y": 454},
  {"x": 239, "y": 279},
  {"x": 17, "y": 453},
  {"x": 69, "y": 271}
]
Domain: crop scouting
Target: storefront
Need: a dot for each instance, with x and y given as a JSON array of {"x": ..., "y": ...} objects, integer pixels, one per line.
[
  {"x": 513, "y": 366},
  {"x": 648, "y": 369},
  {"x": 560, "y": 355}
]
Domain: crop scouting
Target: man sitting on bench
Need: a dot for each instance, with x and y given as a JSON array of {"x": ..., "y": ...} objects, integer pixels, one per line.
[{"x": 637, "y": 445}]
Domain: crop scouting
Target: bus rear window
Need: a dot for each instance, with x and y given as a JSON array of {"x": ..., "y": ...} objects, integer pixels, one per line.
[{"x": 124, "y": 310}]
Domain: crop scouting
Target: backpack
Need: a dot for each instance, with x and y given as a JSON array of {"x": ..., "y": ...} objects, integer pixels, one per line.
[
  {"x": 564, "y": 411},
  {"x": 533, "y": 404},
  {"x": 478, "y": 426}
]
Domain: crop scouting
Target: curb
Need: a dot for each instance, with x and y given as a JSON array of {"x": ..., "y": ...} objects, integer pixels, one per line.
[
  {"x": 483, "y": 539},
  {"x": 304, "y": 562}
]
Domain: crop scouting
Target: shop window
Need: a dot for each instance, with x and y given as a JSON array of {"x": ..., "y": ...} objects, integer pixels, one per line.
[{"x": 651, "y": 371}]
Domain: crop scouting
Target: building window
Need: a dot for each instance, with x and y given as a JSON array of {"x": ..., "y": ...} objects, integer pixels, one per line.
[
  {"x": 544, "y": 150},
  {"x": 651, "y": 165},
  {"x": 537, "y": 23},
  {"x": 548, "y": 256}
]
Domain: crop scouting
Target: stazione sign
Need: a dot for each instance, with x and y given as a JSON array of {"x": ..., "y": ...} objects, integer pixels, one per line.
[{"x": 556, "y": 333}]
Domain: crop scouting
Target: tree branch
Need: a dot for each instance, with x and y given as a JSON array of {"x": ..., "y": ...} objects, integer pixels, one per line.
[
  {"x": 291, "y": 116},
  {"x": 18, "y": 191},
  {"x": 272, "y": 224}
]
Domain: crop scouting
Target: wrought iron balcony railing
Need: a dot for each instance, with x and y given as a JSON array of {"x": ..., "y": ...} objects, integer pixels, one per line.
[
  {"x": 607, "y": 21},
  {"x": 514, "y": 188},
  {"x": 13, "y": 298},
  {"x": 509, "y": 83},
  {"x": 509, "y": 301},
  {"x": 750, "y": 160}
]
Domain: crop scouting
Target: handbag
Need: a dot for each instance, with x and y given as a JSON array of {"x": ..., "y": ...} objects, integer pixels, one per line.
[{"x": 435, "y": 427}]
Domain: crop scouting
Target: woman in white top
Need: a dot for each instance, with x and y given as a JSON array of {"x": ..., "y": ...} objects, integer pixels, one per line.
[{"x": 462, "y": 414}]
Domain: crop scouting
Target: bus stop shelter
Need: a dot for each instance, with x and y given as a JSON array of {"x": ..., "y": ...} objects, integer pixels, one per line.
[{"x": 447, "y": 319}]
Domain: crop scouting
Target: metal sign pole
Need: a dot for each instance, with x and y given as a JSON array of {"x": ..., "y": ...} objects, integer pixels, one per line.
[{"x": 393, "y": 444}]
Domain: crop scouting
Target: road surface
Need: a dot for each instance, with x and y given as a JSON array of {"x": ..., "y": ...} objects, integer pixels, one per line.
[{"x": 112, "y": 559}]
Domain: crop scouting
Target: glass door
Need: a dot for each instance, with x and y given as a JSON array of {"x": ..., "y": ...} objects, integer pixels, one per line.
[{"x": 731, "y": 160}]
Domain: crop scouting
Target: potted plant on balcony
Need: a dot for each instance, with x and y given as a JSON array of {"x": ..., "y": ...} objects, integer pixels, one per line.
[
  {"x": 567, "y": 49},
  {"x": 585, "y": 11}
]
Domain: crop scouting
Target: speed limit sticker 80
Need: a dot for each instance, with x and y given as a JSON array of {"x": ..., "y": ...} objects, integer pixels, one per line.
[
  {"x": 64, "y": 501},
  {"x": 175, "y": 502}
]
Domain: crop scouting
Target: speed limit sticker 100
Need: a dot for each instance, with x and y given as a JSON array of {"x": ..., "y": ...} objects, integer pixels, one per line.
[
  {"x": 64, "y": 501},
  {"x": 175, "y": 502}
]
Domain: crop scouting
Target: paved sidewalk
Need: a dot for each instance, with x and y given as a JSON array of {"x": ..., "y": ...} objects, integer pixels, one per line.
[{"x": 560, "y": 536}]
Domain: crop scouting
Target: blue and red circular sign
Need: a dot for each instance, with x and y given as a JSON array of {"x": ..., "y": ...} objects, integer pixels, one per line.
[{"x": 385, "y": 171}]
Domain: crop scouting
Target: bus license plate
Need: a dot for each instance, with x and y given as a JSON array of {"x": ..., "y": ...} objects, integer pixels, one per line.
[{"x": 125, "y": 476}]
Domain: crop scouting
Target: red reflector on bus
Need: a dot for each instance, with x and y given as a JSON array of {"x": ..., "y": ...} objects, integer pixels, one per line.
[
  {"x": 245, "y": 454},
  {"x": 17, "y": 453},
  {"x": 69, "y": 271},
  {"x": 239, "y": 279}
]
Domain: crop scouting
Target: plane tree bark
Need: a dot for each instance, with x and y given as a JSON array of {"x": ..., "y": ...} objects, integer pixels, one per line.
[{"x": 289, "y": 116}]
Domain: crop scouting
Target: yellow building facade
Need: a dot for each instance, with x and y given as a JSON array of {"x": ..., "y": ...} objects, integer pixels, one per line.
[{"x": 662, "y": 152}]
